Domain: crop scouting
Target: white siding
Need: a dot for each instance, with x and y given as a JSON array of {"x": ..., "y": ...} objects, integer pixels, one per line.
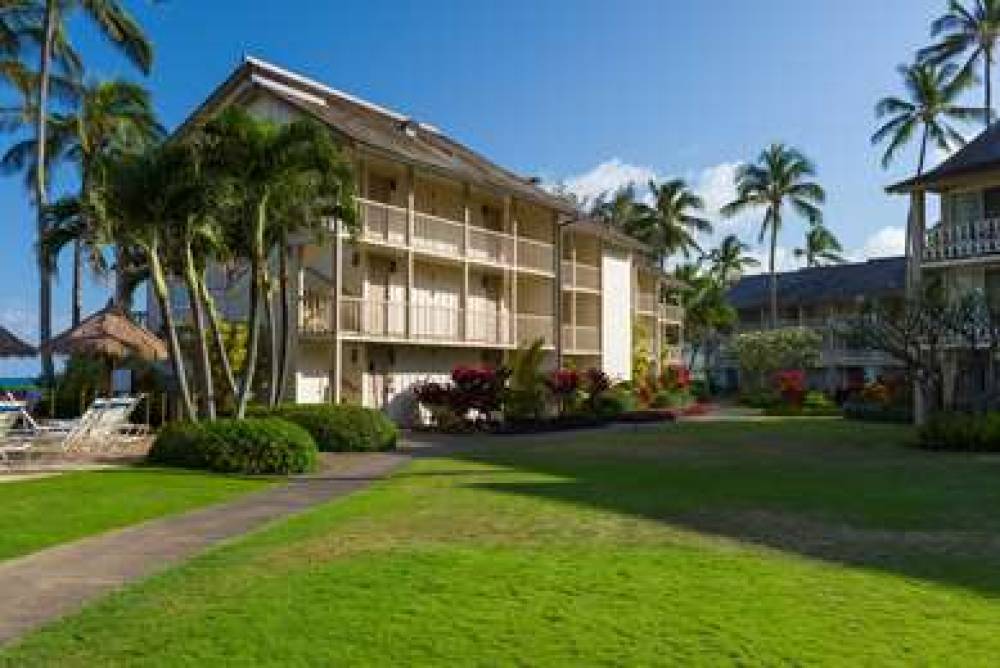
[{"x": 616, "y": 342}]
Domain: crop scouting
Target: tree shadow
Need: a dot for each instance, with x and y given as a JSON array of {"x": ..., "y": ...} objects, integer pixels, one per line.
[{"x": 847, "y": 501}]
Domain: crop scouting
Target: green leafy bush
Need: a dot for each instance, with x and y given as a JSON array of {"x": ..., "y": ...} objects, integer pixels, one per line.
[
  {"x": 612, "y": 404},
  {"x": 252, "y": 446},
  {"x": 670, "y": 399},
  {"x": 962, "y": 433},
  {"x": 343, "y": 428},
  {"x": 863, "y": 410}
]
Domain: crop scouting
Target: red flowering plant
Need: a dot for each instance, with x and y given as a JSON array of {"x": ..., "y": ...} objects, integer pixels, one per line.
[
  {"x": 564, "y": 385},
  {"x": 791, "y": 385},
  {"x": 479, "y": 388},
  {"x": 675, "y": 377}
]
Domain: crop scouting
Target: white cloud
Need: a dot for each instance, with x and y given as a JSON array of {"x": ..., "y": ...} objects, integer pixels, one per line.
[
  {"x": 886, "y": 242},
  {"x": 608, "y": 177}
]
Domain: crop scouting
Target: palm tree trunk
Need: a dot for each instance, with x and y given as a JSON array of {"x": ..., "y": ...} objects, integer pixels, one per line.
[
  {"x": 272, "y": 335},
  {"x": 220, "y": 343},
  {"x": 988, "y": 65},
  {"x": 774, "y": 275},
  {"x": 176, "y": 357},
  {"x": 285, "y": 325},
  {"x": 257, "y": 260},
  {"x": 198, "y": 315},
  {"x": 77, "y": 281},
  {"x": 41, "y": 182}
]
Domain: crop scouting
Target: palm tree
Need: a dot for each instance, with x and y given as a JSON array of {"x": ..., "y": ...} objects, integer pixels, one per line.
[
  {"x": 706, "y": 310},
  {"x": 137, "y": 198},
  {"x": 730, "y": 260},
  {"x": 277, "y": 177},
  {"x": 670, "y": 224},
  {"x": 973, "y": 31},
  {"x": 619, "y": 209},
  {"x": 932, "y": 94},
  {"x": 779, "y": 178},
  {"x": 822, "y": 247},
  {"x": 108, "y": 117},
  {"x": 122, "y": 31}
]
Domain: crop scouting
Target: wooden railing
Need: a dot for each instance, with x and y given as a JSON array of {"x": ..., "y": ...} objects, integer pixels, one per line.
[
  {"x": 671, "y": 313},
  {"x": 490, "y": 246},
  {"x": 647, "y": 302},
  {"x": 956, "y": 241},
  {"x": 438, "y": 235},
  {"x": 381, "y": 222},
  {"x": 531, "y": 327},
  {"x": 578, "y": 275},
  {"x": 582, "y": 338},
  {"x": 535, "y": 255}
]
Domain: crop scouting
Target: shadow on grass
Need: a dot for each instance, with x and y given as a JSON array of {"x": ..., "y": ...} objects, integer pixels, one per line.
[{"x": 846, "y": 494}]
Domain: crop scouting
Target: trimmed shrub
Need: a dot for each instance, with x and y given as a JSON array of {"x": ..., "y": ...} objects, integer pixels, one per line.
[
  {"x": 252, "y": 446},
  {"x": 343, "y": 428},
  {"x": 862, "y": 410},
  {"x": 962, "y": 433}
]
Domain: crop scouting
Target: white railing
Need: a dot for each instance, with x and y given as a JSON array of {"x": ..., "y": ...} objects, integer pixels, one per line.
[
  {"x": 490, "y": 246},
  {"x": 382, "y": 222},
  {"x": 435, "y": 322},
  {"x": 579, "y": 275},
  {"x": 531, "y": 327},
  {"x": 581, "y": 338},
  {"x": 488, "y": 326},
  {"x": 315, "y": 314},
  {"x": 671, "y": 313},
  {"x": 672, "y": 354},
  {"x": 535, "y": 255},
  {"x": 372, "y": 317},
  {"x": 438, "y": 235},
  {"x": 955, "y": 241}
]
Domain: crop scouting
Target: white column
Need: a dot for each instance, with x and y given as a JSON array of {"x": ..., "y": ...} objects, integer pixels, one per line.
[
  {"x": 464, "y": 298},
  {"x": 337, "y": 290},
  {"x": 411, "y": 216}
]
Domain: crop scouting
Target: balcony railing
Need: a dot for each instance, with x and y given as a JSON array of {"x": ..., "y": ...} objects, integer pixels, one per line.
[
  {"x": 386, "y": 223},
  {"x": 952, "y": 242},
  {"x": 672, "y": 354},
  {"x": 582, "y": 338},
  {"x": 647, "y": 302},
  {"x": 535, "y": 255},
  {"x": 383, "y": 223},
  {"x": 531, "y": 327},
  {"x": 490, "y": 246},
  {"x": 380, "y": 318},
  {"x": 438, "y": 235},
  {"x": 576, "y": 275}
]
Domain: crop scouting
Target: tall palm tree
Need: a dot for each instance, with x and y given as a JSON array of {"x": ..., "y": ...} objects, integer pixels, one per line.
[
  {"x": 780, "y": 177},
  {"x": 972, "y": 30},
  {"x": 620, "y": 209},
  {"x": 108, "y": 117},
  {"x": 671, "y": 223},
  {"x": 821, "y": 248},
  {"x": 274, "y": 175},
  {"x": 730, "y": 260},
  {"x": 121, "y": 30},
  {"x": 931, "y": 101}
]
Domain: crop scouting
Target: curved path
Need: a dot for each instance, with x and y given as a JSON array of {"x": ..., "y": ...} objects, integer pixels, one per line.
[{"x": 40, "y": 587}]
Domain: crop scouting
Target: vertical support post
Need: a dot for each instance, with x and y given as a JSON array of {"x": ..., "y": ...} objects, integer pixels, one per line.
[
  {"x": 658, "y": 334},
  {"x": 464, "y": 299},
  {"x": 917, "y": 224},
  {"x": 338, "y": 289},
  {"x": 558, "y": 228},
  {"x": 411, "y": 221},
  {"x": 511, "y": 221}
]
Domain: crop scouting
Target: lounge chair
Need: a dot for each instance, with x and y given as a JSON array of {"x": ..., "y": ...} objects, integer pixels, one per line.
[{"x": 11, "y": 411}]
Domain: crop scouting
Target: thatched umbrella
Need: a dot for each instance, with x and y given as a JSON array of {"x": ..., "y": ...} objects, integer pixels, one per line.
[
  {"x": 109, "y": 334},
  {"x": 11, "y": 346}
]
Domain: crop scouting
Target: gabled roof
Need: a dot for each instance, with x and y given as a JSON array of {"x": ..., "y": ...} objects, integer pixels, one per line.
[
  {"x": 375, "y": 127},
  {"x": 980, "y": 155},
  {"x": 837, "y": 283}
]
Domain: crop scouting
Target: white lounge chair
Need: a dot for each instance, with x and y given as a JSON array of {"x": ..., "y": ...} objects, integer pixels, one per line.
[{"x": 11, "y": 412}]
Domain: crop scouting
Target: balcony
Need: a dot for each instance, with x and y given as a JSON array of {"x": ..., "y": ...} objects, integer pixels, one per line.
[
  {"x": 580, "y": 276},
  {"x": 673, "y": 354},
  {"x": 647, "y": 303},
  {"x": 387, "y": 224},
  {"x": 381, "y": 319},
  {"x": 967, "y": 240},
  {"x": 581, "y": 338}
]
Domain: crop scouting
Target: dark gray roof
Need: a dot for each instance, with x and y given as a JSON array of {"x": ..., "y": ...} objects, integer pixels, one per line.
[
  {"x": 374, "y": 126},
  {"x": 838, "y": 283},
  {"x": 981, "y": 154}
]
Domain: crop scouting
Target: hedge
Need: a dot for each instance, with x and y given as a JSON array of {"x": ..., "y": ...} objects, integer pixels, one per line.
[
  {"x": 252, "y": 446},
  {"x": 342, "y": 428},
  {"x": 961, "y": 433}
]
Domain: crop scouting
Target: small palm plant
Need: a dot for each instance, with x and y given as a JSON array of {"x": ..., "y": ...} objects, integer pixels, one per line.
[{"x": 821, "y": 248}]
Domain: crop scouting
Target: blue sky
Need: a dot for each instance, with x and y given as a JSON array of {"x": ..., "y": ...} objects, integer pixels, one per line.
[{"x": 583, "y": 91}]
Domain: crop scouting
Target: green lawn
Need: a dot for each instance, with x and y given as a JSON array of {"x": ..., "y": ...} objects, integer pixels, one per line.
[
  {"x": 701, "y": 544},
  {"x": 38, "y": 513}
]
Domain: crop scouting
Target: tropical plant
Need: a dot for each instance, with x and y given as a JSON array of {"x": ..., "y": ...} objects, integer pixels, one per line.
[
  {"x": 526, "y": 387},
  {"x": 822, "y": 247},
  {"x": 620, "y": 209},
  {"x": 730, "y": 260},
  {"x": 972, "y": 30},
  {"x": 761, "y": 354},
  {"x": 706, "y": 311},
  {"x": 779, "y": 178},
  {"x": 121, "y": 30},
  {"x": 278, "y": 179},
  {"x": 932, "y": 100},
  {"x": 672, "y": 222},
  {"x": 108, "y": 117}
]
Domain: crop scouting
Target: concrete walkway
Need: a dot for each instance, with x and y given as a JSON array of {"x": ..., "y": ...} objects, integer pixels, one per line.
[{"x": 40, "y": 587}]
